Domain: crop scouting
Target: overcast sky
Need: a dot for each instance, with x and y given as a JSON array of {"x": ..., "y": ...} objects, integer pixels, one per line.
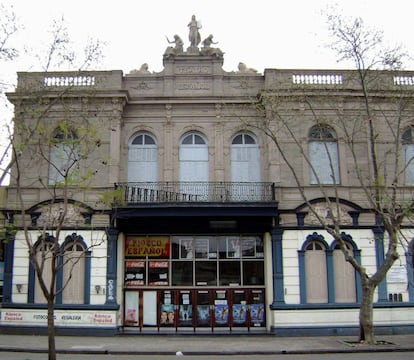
[{"x": 261, "y": 33}]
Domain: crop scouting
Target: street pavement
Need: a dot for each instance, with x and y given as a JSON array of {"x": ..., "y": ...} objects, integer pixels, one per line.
[{"x": 209, "y": 344}]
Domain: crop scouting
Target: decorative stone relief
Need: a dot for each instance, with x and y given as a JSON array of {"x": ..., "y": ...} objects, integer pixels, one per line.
[
  {"x": 324, "y": 211},
  {"x": 50, "y": 216},
  {"x": 141, "y": 86},
  {"x": 194, "y": 85}
]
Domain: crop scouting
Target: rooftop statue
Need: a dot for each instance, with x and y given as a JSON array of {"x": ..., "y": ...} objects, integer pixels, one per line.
[
  {"x": 194, "y": 35},
  {"x": 208, "y": 50},
  {"x": 244, "y": 69},
  {"x": 177, "y": 49},
  {"x": 142, "y": 70},
  {"x": 195, "y": 39}
]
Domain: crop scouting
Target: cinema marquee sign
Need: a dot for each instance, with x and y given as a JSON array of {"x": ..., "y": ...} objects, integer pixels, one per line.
[{"x": 143, "y": 246}]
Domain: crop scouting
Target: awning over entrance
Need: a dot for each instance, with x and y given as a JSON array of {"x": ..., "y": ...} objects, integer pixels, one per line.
[{"x": 196, "y": 218}]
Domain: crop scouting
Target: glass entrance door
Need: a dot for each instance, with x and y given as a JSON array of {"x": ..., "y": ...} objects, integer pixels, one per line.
[
  {"x": 185, "y": 310},
  {"x": 167, "y": 309},
  {"x": 192, "y": 309},
  {"x": 203, "y": 309},
  {"x": 221, "y": 308},
  {"x": 257, "y": 308},
  {"x": 239, "y": 308}
]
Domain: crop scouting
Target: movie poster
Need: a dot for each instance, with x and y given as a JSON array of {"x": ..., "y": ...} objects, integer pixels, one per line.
[
  {"x": 185, "y": 315},
  {"x": 257, "y": 314},
  {"x": 221, "y": 314},
  {"x": 131, "y": 308},
  {"x": 239, "y": 314},
  {"x": 167, "y": 315},
  {"x": 203, "y": 315}
]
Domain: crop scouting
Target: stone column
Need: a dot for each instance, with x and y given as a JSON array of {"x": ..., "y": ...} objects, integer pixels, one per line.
[{"x": 115, "y": 140}]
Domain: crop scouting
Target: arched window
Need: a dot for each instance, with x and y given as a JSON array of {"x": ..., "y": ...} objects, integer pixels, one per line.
[
  {"x": 193, "y": 157},
  {"x": 408, "y": 153},
  {"x": 44, "y": 256},
  {"x": 142, "y": 158},
  {"x": 323, "y": 155},
  {"x": 344, "y": 276},
  {"x": 73, "y": 261},
  {"x": 313, "y": 276},
  {"x": 316, "y": 274},
  {"x": 244, "y": 159},
  {"x": 63, "y": 158}
]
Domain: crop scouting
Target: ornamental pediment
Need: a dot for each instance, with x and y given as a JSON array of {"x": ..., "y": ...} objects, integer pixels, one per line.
[
  {"x": 52, "y": 215},
  {"x": 328, "y": 212}
]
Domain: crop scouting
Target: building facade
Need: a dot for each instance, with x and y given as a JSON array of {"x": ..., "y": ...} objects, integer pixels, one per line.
[{"x": 206, "y": 230}]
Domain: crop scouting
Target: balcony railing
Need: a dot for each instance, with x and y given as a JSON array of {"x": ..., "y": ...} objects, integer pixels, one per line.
[{"x": 168, "y": 192}]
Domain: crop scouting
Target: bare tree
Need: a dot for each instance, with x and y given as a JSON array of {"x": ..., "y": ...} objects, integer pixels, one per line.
[
  {"x": 73, "y": 149},
  {"x": 8, "y": 27},
  {"x": 54, "y": 145},
  {"x": 370, "y": 119}
]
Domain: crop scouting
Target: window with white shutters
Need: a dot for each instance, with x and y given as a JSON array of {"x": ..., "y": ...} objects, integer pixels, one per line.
[
  {"x": 142, "y": 158},
  {"x": 323, "y": 156}
]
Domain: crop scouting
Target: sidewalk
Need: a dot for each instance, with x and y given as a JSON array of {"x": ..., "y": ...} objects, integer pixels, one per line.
[{"x": 202, "y": 344}]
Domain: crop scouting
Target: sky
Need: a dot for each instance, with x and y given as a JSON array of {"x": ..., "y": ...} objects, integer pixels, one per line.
[
  {"x": 261, "y": 33},
  {"x": 278, "y": 34}
]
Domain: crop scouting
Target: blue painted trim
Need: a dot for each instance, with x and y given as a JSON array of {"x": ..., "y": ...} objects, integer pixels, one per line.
[
  {"x": 31, "y": 284},
  {"x": 96, "y": 307},
  {"x": 111, "y": 265},
  {"x": 326, "y": 306},
  {"x": 358, "y": 284},
  {"x": 339, "y": 330},
  {"x": 379, "y": 254},
  {"x": 87, "y": 282},
  {"x": 302, "y": 276},
  {"x": 277, "y": 268},
  {"x": 59, "y": 280},
  {"x": 8, "y": 271},
  {"x": 330, "y": 275},
  {"x": 64, "y": 330},
  {"x": 315, "y": 237},
  {"x": 409, "y": 260}
]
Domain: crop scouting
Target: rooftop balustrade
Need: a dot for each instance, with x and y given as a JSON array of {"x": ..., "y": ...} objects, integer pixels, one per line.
[{"x": 273, "y": 79}]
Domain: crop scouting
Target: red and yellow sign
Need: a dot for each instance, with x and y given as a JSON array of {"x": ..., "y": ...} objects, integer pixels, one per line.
[{"x": 152, "y": 246}]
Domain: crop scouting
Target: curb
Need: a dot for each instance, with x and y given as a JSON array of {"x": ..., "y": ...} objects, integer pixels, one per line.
[{"x": 212, "y": 353}]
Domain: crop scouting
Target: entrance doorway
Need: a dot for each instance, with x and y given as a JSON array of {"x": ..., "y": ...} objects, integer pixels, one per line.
[{"x": 196, "y": 310}]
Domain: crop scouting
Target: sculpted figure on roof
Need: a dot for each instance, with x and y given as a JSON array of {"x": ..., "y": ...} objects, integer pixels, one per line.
[
  {"x": 178, "y": 46},
  {"x": 194, "y": 35},
  {"x": 208, "y": 50}
]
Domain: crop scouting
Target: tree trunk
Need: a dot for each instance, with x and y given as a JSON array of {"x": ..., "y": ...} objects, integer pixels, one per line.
[
  {"x": 51, "y": 328},
  {"x": 366, "y": 314}
]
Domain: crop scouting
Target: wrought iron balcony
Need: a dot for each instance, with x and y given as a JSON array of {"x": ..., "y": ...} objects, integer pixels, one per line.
[{"x": 168, "y": 192}]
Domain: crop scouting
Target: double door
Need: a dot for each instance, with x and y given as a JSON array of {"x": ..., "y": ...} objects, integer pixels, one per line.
[{"x": 195, "y": 309}]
